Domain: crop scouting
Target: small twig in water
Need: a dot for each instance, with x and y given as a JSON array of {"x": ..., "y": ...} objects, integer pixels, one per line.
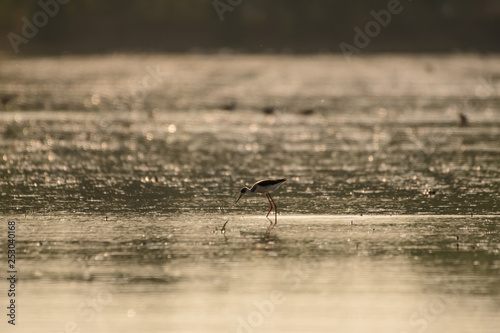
[{"x": 223, "y": 229}]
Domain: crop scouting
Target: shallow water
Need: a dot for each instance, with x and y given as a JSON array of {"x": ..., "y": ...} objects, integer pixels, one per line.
[
  {"x": 311, "y": 273},
  {"x": 383, "y": 135},
  {"x": 120, "y": 181}
]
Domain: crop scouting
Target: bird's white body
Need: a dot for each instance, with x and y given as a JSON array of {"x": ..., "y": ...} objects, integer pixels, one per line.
[{"x": 265, "y": 189}]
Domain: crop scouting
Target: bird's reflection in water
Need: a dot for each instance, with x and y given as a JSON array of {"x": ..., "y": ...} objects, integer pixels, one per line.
[{"x": 263, "y": 240}]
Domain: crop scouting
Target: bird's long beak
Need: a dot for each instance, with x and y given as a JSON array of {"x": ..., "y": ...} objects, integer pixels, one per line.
[{"x": 238, "y": 199}]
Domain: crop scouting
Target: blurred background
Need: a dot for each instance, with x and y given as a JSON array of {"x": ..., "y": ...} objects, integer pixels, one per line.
[
  {"x": 127, "y": 129},
  {"x": 379, "y": 82},
  {"x": 90, "y": 26}
]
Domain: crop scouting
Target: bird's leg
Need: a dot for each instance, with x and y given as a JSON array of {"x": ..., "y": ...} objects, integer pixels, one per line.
[
  {"x": 275, "y": 210},
  {"x": 269, "y": 228},
  {"x": 270, "y": 209},
  {"x": 270, "y": 221}
]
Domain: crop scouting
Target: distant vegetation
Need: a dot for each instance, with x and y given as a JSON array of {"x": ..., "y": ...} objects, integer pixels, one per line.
[{"x": 82, "y": 26}]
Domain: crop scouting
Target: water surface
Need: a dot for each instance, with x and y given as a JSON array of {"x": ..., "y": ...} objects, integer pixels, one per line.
[{"x": 121, "y": 170}]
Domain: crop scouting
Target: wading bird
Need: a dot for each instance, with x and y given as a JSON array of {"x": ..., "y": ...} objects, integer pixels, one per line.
[{"x": 265, "y": 186}]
